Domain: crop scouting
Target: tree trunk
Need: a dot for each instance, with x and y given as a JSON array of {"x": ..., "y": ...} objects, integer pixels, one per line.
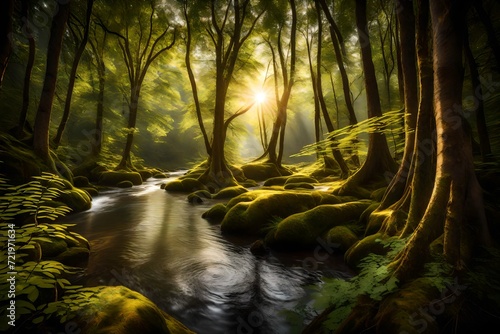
[
  {"x": 378, "y": 161},
  {"x": 98, "y": 134},
  {"x": 42, "y": 119},
  {"x": 319, "y": 87},
  {"x": 72, "y": 76},
  {"x": 406, "y": 21},
  {"x": 490, "y": 30},
  {"x": 343, "y": 73},
  {"x": 477, "y": 94},
  {"x": 126, "y": 161},
  {"x": 29, "y": 67},
  {"x": 7, "y": 11},
  {"x": 456, "y": 206}
]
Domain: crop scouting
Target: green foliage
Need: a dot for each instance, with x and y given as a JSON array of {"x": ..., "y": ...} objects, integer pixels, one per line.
[
  {"x": 36, "y": 281},
  {"x": 32, "y": 198},
  {"x": 346, "y": 138},
  {"x": 374, "y": 280}
]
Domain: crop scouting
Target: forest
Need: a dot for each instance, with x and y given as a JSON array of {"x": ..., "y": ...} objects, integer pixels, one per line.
[{"x": 250, "y": 166}]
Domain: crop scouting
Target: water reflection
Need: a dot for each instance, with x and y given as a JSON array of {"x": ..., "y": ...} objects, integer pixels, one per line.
[{"x": 157, "y": 243}]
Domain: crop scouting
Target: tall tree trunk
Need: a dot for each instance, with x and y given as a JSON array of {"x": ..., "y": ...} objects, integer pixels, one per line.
[
  {"x": 319, "y": 87},
  {"x": 72, "y": 76},
  {"x": 7, "y": 11},
  {"x": 192, "y": 80},
  {"x": 343, "y": 73},
  {"x": 455, "y": 208},
  {"x": 490, "y": 30},
  {"x": 126, "y": 161},
  {"x": 406, "y": 21},
  {"x": 42, "y": 119},
  {"x": 29, "y": 67},
  {"x": 477, "y": 94},
  {"x": 378, "y": 160},
  {"x": 98, "y": 134}
]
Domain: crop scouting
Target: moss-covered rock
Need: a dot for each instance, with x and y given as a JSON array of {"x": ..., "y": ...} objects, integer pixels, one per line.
[
  {"x": 53, "y": 247},
  {"x": 275, "y": 181},
  {"x": 125, "y": 184},
  {"x": 342, "y": 236},
  {"x": 113, "y": 178},
  {"x": 93, "y": 192},
  {"x": 81, "y": 181},
  {"x": 145, "y": 174},
  {"x": 301, "y": 230},
  {"x": 251, "y": 214},
  {"x": 117, "y": 309},
  {"x": 248, "y": 183},
  {"x": 215, "y": 213},
  {"x": 230, "y": 192},
  {"x": 300, "y": 179},
  {"x": 260, "y": 171},
  {"x": 160, "y": 176},
  {"x": 187, "y": 185},
  {"x": 298, "y": 185},
  {"x": 77, "y": 199},
  {"x": 74, "y": 256},
  {"x": 365, "y": 246}
]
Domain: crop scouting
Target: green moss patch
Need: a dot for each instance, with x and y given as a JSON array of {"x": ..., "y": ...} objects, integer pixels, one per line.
[
  {"x": 113, "y": 178},
  {"x": 216, "y": 213},
  {"x": 230, "y": 192},
  {"x": 187, "y": 185},
  {"x": 260, "y": 171},
  {"x": 298, "y": 185},
  {"x": 342, "y": 236},
  {"x": 252, "y": 212},
  {"x": 301, "y": 230}
]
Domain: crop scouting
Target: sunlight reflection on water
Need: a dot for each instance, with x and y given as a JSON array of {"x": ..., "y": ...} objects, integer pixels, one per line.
[{"x": 156, "y": 242}]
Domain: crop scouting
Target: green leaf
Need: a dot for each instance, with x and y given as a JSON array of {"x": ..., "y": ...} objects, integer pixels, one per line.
[{"x": 38, "y": 319}]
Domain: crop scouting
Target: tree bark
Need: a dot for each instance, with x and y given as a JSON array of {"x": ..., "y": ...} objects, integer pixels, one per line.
[
  {"x": 378, "y": 160},
  {"x": 7, "y": 11},
  {"x": 72, "y": 76},
  {"x": 406, "y": 21},
  {"x": 455, "y": 208},
  {"x": 477, "y": 93},
  {"x": 29, "y": 68},
  {"x": 42, "y": 119}
]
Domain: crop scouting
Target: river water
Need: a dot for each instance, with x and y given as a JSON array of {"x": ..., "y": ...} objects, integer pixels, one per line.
[{"x": 156, "y": 243}]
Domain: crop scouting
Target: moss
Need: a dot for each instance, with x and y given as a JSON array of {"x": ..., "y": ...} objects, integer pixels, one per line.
[
  {"x": 342, "y": 236},
  {"x": 248, "y": 183},
  {"x": 298, "y": 185},
  {"x": 373, "y": 219},
  {"x": 300, "y": 179},
  {"x": 230, "y": 192},
  {"x": 145, "y": 174},
  {"x": 53, "y": 247},
  {"x": 254, "y": 211},
  {"x": 185, "y": 185},
  {"x": 260, "y": 171},
  {"x": 160, "y": 176},
  {"x": 407, "y": 310},
  {"x": 113, "y": 178},
  {"x": 81, "y": 181},
  {"x": 301, "y": 230},
  {"x": 125, "y": 184},
  {"x": 276, "y": 181},
  {"x": 215, "y": 213},
  {"x": 74, "y": 256},
  {"x": 77, "y": 199},
  {"x": 363, "y": 247},
  {"x": 118, "y": 309},
  {"x": 93, "y": 192}
]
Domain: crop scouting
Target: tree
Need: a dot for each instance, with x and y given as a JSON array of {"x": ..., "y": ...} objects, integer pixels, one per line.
[
  {"x": 139, "y": 54},
  {"x": 7, "y": 10},
  {"x": 25, "y": 6},
  {"x": 42, "y": 119},
  {"x": 284, "y": 72},
  {"x": 230, "y": 26},
  {"x": 378, "y": 158},
  {"x": 456, "y": 206},
  {"x": 72, "y": 77}
]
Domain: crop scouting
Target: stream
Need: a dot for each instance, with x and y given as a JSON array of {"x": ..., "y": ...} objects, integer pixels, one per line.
[{"x": 156, "y": 243}]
